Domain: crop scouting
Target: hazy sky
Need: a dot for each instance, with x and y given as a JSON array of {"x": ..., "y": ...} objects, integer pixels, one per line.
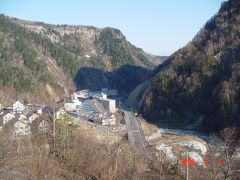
[{"x": 157, "y": 26}]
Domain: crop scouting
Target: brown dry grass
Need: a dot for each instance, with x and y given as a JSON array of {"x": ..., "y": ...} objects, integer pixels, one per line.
[
  {"x": 119, "y": 116},
  {"x": 148, "y": 129},
  {"x": 98, "y": 135}
]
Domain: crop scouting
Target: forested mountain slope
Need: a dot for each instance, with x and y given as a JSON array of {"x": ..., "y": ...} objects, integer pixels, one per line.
[
  {"x": 42, "y": 61},
  {"x": 203, "y": 78}
]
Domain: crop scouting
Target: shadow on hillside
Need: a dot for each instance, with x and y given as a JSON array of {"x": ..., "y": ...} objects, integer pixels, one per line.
[{"x": 124, "y": 79}]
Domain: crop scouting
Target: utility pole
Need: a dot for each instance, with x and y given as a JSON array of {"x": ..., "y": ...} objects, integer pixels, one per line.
[{"x": 187, "y": 166}]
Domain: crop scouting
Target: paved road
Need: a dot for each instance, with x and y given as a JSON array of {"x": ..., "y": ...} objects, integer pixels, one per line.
[
  {"x": 135, "y": 133},
  {"x": 134, "y": 129}
]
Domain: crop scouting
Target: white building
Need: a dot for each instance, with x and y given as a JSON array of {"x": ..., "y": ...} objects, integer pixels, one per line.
[
  {"x": 77, "y": 102},
  {"x": 32, "y": 117},
  {"x": 39, "y": 111},
  {"x": 72, "y": 106},
  {"x": 2, "y": 114},
  {"x": 22, "y": 127},
  {"x": 75, "y": 96},
  {"x": 108, "y": 104},
  {"x": 18, "y": 106},
  {"x": 104, "y": 95},
  {"x": 81, "y": 94},
  {"x": 109, "y": 121},
  {"x": 17, "y": 123},
  {"x": 8, "y": 117}
]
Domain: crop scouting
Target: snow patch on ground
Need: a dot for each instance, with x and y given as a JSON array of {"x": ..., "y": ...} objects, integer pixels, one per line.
[
  {"x": 195, "y": 156},
  {"x": 194, "y": 145},
  {"x": 167, "y": 150}
]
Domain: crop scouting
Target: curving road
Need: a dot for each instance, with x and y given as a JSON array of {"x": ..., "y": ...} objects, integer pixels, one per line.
[{"x": 135, "y": 132}]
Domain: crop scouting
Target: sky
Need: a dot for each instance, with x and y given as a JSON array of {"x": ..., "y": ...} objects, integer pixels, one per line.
[{"x": 159, "y": 27}]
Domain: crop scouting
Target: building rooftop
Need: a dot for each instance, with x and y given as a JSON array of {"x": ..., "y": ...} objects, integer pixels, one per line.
[{"x": 92, "y": 105}]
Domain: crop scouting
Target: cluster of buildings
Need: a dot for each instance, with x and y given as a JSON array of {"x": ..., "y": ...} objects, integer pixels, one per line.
[
  {"x": 23, "y": 119},
  {"x": 94, "y": 106}
]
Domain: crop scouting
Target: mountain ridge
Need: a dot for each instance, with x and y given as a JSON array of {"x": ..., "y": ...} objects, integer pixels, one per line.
[
  {"x": 202, "y": 78},
  {"x": 51, "y": 55}
]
